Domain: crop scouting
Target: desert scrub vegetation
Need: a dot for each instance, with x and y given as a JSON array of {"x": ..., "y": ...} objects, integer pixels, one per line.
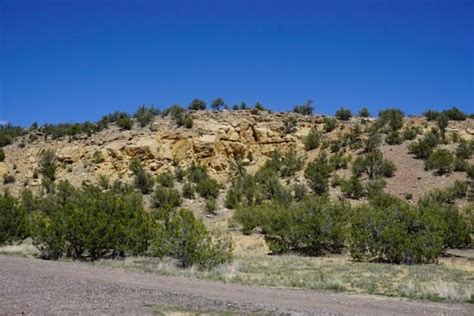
[
  {"x": 14, "y": 223},
  {"x": 204, "y": 184},
  {"x": 312, "y": 227},
  {"x": 2, "y": 155},
  {"x": 197, "y": 104},
  {"x": 312, "y": 140},
  {"x": 318, "y": 172},
  {"x": 142, "y": 180},
  {"x": 364, "y": 112},
  {"x": 144, "y": 115},
  {"x": 9, "y": 133},
  {"x": 452, "y": 114},
  {"x": 304, "y": 109},
  {"x": 343, "y": 114},
  {"x": 386, "y": 229},
  {"x": 424, "y": 147},
  {"x": 440, "y": 160},
  {"x": 89, "y": 223}
]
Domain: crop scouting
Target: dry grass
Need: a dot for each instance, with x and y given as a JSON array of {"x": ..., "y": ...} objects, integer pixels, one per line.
[
  {"x": 24, "y": 249},
  {"x": 451, "y": 280},
  {"x": 433, "y": 282}
]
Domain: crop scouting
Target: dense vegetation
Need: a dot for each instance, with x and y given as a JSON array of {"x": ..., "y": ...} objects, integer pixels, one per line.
[
  {"x": 385, "y": 229},
  {"x": 109, "y": 221}
]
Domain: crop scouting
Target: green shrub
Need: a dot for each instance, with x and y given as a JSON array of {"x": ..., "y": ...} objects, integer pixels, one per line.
[
  {"x": 393, "y": 118},
  {"x": 14, "y": 223},
  {"x": 177, "y": 114},
  {"x": 465, "y": 149},
  {"x": 312, "y": 227},
  {"x": 179, "y": 173},
  {"x": 410, "y": 133},
  {"x": 98, "y": 157},
  {"x": 196, "y": 173},
  {"x": 211, "y": 206},
  {"x": 424, "y": 147},
  {"x": 441, "y": 160},
  {"x": 125, "y": 122},
  {"x": 389, "y": 230},
  {"x": 197, "y": 104},
  {"x": 343, "y": 114},
  {"x": 470, "y": 171},
  {"x": 300, "y": 191},
  {"x": 455, "y": 228},
  {"x": 460, "y": 164},
  {"x": 48, "y": 185},
  {"x": 336, "y": 180},
  {"x": 387, "y": 168},
  {"x": 188, "y": 191},
  {"x": 103, "y": 182},
  {"x": 166, "y": 198},
  {"x": 142, "y": 180},
  {"x": 455, "y": 114},
  {"x": 8, "y": 178},
  {"x": 339, "y": 161},
  {"x": 2, "y": 155},
  {"x": 47, "y": 164},
  {"x": 312, "y": 140},
  {"x": 251, "y": 216},
  {"x": 374, "y": 165},
  {"x": 188, "y": 121},
  {"x": 120, "y": 187},
  {"x": 352, "y": 188},
  {"x": 165, "y": 179},
  {"x": 431, "y": 115},
  {"x": 364, "y": 112},
  {"x": 8, "y": 133},
  {"x": 217, "y": 103},
  {"x": 91, "y": 223},
  {"x": 460, "y": 188},
  {"x": 354, "y": 137},
  {"x": 375, "y": 187},
  {"x": 186, "y": 239},
  {"x": 442, "y": 121},
  {"x": 232, "y": 199},
  {"x": 329, "y": 124},
  {"x": 304, "y": 109},
  {"x": 144, "y": 115},
  {"x": 372, "y": 142},
  {"x": 318, "y": 173},
  {"x": 335, "y": 145},
  {"x": 289, "y": 125},
  {"x": 208, "y": 188},
  {"x": 290, "y": 164},
  {"x": 259, "y": 106},
  {"x": 394, "y": 138}
]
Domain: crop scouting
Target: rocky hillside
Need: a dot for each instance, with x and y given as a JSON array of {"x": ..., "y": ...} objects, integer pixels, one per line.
[{"x": 215, "y": 140}]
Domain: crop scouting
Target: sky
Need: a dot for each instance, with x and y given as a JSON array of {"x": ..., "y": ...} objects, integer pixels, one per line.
[{"x": 65, "y": 60}]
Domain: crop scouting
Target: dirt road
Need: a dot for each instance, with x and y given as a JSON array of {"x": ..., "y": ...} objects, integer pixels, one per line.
[{"x": 33, "y": 286}]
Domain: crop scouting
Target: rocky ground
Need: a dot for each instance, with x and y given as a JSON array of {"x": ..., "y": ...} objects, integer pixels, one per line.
[
  {"x": 215, "y": 140},
  {"x": 36, "y": 287}
]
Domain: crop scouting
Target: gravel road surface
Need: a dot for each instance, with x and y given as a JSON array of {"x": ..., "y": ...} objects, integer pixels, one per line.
[{"x": 37, "y": 287}]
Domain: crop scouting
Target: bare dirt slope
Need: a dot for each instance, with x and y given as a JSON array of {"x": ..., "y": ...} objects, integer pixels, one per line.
[{"x": 31, "y": 286}]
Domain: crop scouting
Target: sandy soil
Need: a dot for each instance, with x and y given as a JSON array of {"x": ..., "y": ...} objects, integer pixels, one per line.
[{"x": 32, "y": 286}]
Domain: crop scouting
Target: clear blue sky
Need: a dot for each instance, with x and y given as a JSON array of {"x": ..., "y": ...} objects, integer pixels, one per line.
[{"x": 64, "y": 61}]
